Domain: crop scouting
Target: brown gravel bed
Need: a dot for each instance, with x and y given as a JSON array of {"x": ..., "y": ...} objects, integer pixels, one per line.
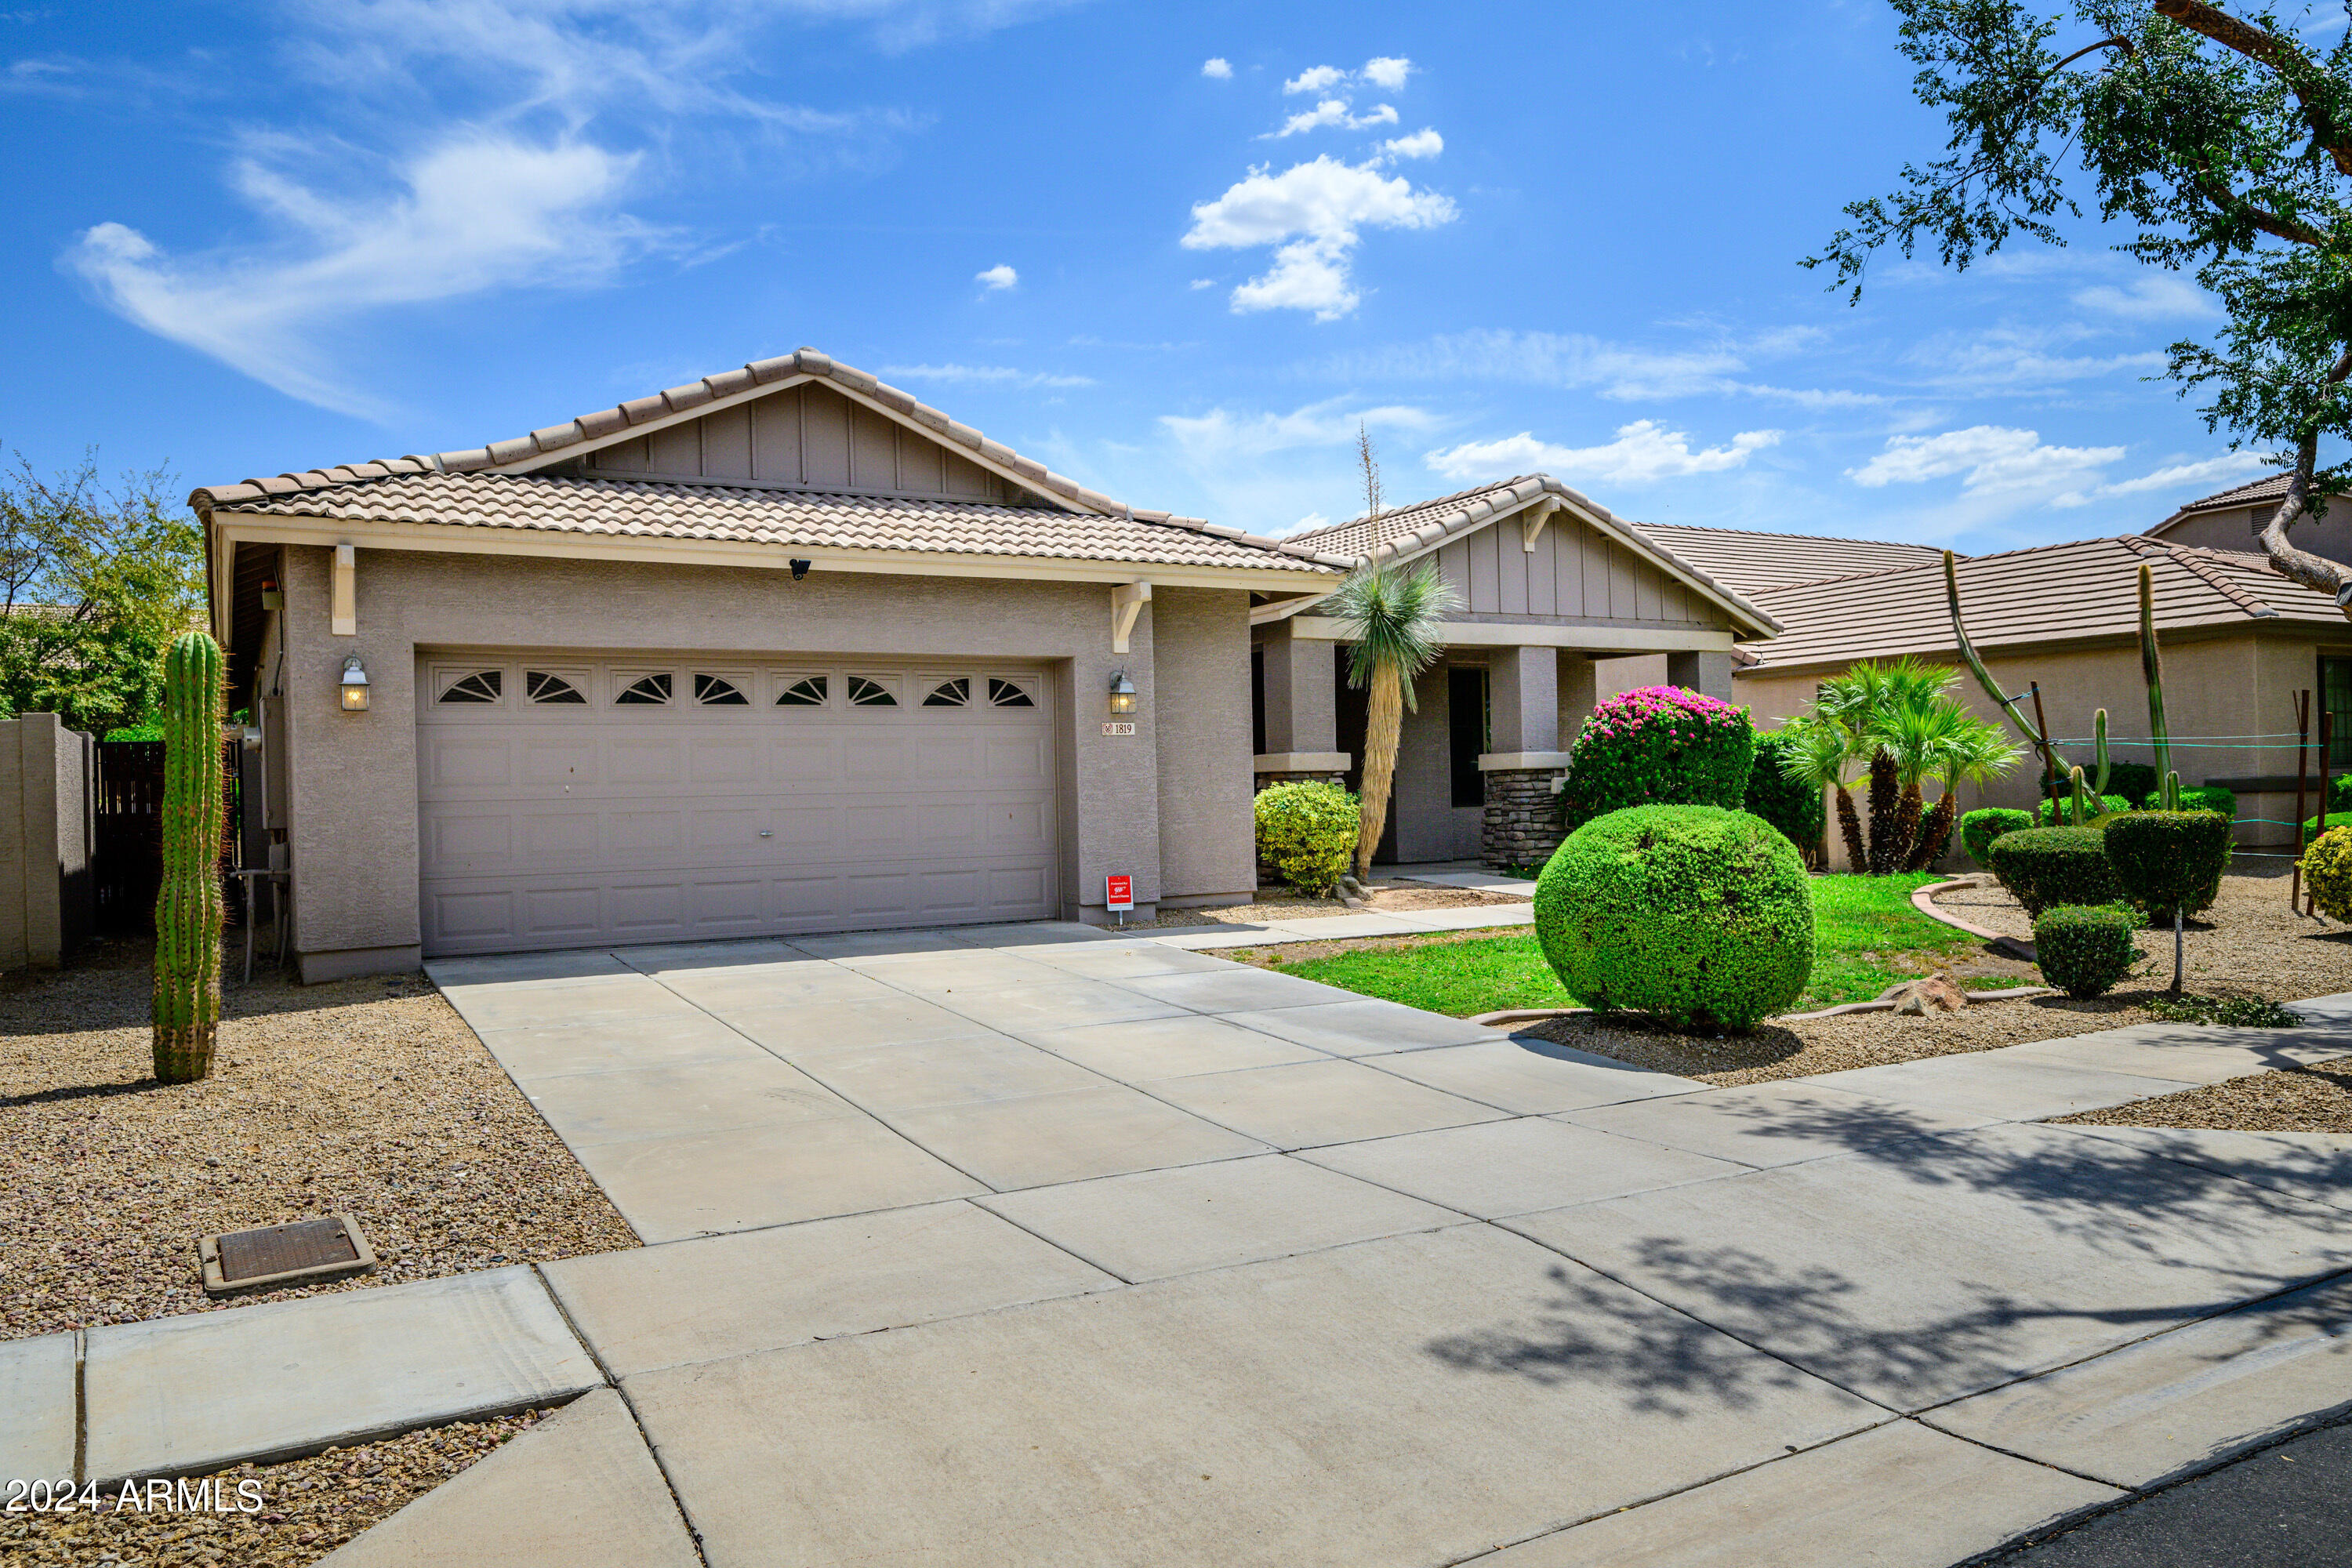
[
  {"x": 2316, "y": 1099},
  {"x": 369, "y": 1096},
  {"x": 1288, "y": 904},
  {"x": 309, "y": 1507}
]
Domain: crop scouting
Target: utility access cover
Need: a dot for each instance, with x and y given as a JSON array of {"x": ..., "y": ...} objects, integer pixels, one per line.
[{"x": 277, "y": 1255}]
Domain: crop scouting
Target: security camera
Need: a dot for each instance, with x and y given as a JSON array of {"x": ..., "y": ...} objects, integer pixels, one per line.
[{"x": 800, "y": 570}]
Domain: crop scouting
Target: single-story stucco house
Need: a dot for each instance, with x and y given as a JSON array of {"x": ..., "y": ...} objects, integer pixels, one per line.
[
  {"x": 781, "y": 650},
  {"x": 2232, "y": 519},
  {"x": 1556, "y": 589}
]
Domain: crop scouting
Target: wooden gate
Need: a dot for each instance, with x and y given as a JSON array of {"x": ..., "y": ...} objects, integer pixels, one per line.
[{"x": 130, "y": 859}]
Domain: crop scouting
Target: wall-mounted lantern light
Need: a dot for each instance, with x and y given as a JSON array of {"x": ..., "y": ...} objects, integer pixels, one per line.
[
  {"x": 355, "y": 685},
  {"x": 1122, "y": 694}
]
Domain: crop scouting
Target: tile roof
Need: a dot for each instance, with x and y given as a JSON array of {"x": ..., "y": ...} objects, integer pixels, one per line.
[
  {"x": 1408, "y": 531},
  {"x": 1755, "y": 562},
  {"x": 2056, "y": 593},
  {"x": 629, "y": 508},
  {"x": 2271, "y": 486}
]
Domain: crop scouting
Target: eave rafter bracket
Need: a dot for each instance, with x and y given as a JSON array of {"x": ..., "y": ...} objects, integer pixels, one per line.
[
  {"x": 1532, "y": 520},
  {"x": 1126, "y": 602},
  {"x": 343, "y": 609}
]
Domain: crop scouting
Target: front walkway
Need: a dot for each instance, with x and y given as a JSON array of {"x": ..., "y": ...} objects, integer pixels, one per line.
[{"x": 1185, "y": 1263}]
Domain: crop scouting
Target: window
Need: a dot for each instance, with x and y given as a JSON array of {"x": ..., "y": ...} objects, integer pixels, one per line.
[
  {"x": 1466, "y": 732},
  {"x": 2335, "y": 697},
  {"x": 956, "y": 693},
  {"x": 482, "y": 685},
  {"x": 806, "y": 692},
  {"x": 716, "y": 691},
  {"x": 1005, "y": 694},
  {"x": 542, "y": 686},
  {"x": 865, "y": 692},
  {"x": 653, "y": 688}
]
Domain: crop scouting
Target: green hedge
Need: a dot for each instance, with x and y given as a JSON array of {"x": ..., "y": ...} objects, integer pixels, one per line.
[
  {"x": 2133, "y": 780},
  {"x": 2057, "y": 813},
  {"x": 2046, "y": 867},
  {"x": 2328, "y": 872},
  {"x": 1658, "y": 745},
  {"x": 1980, "y": 829},
  {"x": 2166, "y": 860},
  {"x": 2084, "y": 948},
  {"x": 1794, "y": 808},
  {"x": 1696, "y": 915},
  {"x": 1307, "y": 831},
  {"x": 2209, "y": 797}
]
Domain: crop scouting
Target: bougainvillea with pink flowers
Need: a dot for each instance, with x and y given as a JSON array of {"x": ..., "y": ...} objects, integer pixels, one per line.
[{"x": 1658, "y": 745}]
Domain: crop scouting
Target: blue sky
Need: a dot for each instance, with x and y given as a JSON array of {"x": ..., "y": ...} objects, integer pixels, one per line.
[{"x": 1177, "y": 252}]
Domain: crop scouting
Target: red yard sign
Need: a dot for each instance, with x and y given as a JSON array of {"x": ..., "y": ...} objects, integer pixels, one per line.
[{"x": 1119, "y": 892}]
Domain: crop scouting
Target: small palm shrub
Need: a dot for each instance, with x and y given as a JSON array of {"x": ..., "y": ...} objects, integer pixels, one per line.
[
  {"x": 2084, "y": 948},
  {"x": 1658, "y": 745},
  {"x": 2047, "y": 867},
  {"x": 1980, "y": 829},
  {"x": 1693, "y": 914},
  {"x": 2168, "y": 860},
  {"x": 1793, "y": 806},
  {"x": 2133, "y": 780},
  {"x": 2328, "y": 872},
  {"x": 1307, "y": 831},
  {"x": 2060, "y": 813}
]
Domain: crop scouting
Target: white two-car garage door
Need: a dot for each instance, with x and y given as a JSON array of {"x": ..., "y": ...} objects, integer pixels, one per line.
[{"x": 571, "y": 802}]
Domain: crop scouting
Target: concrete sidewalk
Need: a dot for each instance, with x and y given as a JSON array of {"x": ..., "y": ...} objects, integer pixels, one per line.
[{"x": 1183, "y": 1262}]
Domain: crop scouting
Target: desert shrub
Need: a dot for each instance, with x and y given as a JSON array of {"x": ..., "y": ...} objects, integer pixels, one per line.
[
  {"x": 2230, "y": 1012},
  {"x": 1307, "y": 831},
  {"x": 2326, "y": 872},
  {"x": 2060, "y": 813},
  {"x": 2086, "y": 949},
  {"x": 1980, "y": 829},
  {"x": 2209, "y": 797},
  {"x": 2339, "y": 795},
  {"x": 1693, "y": 914},
  {"x": 2166, "y": 860},
  {"x": 2133, "y": 780},
  {"x": 1658, "y": 745},
  {"x": 1793, "y": 807},
  {"x": 2046, "y": 867}
]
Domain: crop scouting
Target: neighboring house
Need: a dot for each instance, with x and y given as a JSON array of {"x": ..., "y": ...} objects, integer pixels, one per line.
[
  {"x": 2239, "y": 640},
  {"x": 1555, "y": 587},
  {"x": 2232, "y": 520},
  {"x": 782, "y": 650}
]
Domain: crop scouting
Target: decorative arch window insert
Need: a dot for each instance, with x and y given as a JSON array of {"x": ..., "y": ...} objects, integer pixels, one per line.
[
  {"x": 718, "y": 691},
  {"x": 1008, "y": 694},
  {"x": 807, "y": 691},
  {"x": 648, "y": 690},
  {"x": 865, "y": 691},
  {"x": 956, "y": 693},
  {"x": 546, "y": 685},
  {"x": 480, "y": 686}
]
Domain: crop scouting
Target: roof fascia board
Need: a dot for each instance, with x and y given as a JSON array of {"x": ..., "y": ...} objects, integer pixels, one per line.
[
  {"x": 539, "y": 460},
  {"x": 1601, "y": 638},
  {"x": 463, "y": 538}
]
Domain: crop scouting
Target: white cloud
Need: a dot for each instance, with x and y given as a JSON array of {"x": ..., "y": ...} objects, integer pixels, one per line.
[
  {"x": 471, "y": 217},
  {"x": 2149, "y": 299},
  {"x": 1643, "y": 452},
  {"x": 984, "y": 375},
  {"x": 1423, "y": 143},
  {"x": 1988, "y": 458},
  {"x": 2008, "y": 360},
  {"x": 1218, "y": 69},
  {"x": 1204, "y": 282},
  {"x": 1334, "y": 112},
  {"x": 1579, "y": 361},
  {"x": 1387, "y": 71},
  {"x": 997, "y": 277},
  {"x": 1313, "y": 519},
  {"x": 2186, "y": 481},
  {"x": 1221, "y": 436},
  {"x": 1314, "y": 80},
  {"x": 1320, "y": 208}
]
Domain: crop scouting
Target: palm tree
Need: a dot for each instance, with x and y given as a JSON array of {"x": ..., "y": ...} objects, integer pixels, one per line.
[
  {"x": 1976, "y": 751},
  {"x": 1392, "y": 615},
  {"x": 1876, "y": 696},
  {"x": 1826, "y": 751},
  {"x": 1914, "y": 737}
]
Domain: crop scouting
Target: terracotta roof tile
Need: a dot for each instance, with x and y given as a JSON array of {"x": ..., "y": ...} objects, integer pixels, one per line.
[{"x": 1755, "y": 562}]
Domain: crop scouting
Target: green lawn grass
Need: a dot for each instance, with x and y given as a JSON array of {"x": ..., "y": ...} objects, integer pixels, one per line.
[{"x": 1866, "y": 937}]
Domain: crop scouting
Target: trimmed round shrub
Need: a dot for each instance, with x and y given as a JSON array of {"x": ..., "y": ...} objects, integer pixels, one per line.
[
  {"x": 2084, "y": 949},
  {"x": 2326, "y": 872},
  {"x": 2047, "y": 867},
  {"x": 1794, "y": 808},
  {"x": 1307, "y": 831},
  {"x": 1696, "y": 915},
  {"x": 1658, "y": 745},
  {"x": 2133, "y": 780},
  {"x": 2168, "y": 860},
  {"x": 2060, "y": 813},
  {"x": 2339, "y": 795},
  {"x": 2313, "y": 827},
  {"x": 1980, "y": 829},
  {"x": 2209, "y": 797}
]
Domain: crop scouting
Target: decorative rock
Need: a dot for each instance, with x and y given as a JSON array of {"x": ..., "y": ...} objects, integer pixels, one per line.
[{"x": 1917, "y": 998}]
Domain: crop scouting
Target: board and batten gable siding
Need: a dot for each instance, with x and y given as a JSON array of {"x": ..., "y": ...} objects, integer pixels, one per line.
[
  {"x": 1574, "y": 573},
  {"x": 806, "y": 436}
]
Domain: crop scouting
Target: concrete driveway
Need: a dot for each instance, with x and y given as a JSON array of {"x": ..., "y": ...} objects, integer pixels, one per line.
[{"x": 1183, "y": 1262}]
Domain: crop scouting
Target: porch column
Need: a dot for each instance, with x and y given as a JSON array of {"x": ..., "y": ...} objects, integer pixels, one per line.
[
  {"x": 1707, "y": 672},
  {"x": 1525, "y": 766},
  {"x": 1302, "y": 722}
]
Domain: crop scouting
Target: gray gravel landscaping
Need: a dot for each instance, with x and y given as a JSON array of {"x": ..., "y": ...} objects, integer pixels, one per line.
[{"x": 368, "y": 1096}]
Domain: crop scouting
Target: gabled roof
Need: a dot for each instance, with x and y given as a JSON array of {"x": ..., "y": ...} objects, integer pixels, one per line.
[
  {"x": 798, "y": 518},
  {"x": 1407, "y": 532},
  {"x": 2081, "y": 591},
  {"x": 1754, "y": 562},
  {"x": 2253, "y": 492}
]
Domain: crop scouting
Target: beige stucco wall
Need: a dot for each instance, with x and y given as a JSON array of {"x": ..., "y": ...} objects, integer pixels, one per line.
[
  {"x": 352, "y": 808},
  {"x": 2238, "y": 528},
  {"x": 1425, "y": 822},
  {"x": 1200, "y": 724}
]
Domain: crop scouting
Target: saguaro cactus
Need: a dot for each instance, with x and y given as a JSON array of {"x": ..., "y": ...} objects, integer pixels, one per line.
[
  {"x": 188, "y": 905},
  {"x": 2151, "y": 664}
]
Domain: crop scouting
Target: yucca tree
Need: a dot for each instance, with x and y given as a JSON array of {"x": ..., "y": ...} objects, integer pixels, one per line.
[
  {"x": 1390, "y": 615},
  {"x": 1972, "y": 751},
  {"x": 1825, "y": 755}
]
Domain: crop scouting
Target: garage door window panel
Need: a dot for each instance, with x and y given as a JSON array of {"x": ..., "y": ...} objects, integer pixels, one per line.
[
  {"x": 642, "y": 691},
  {"x": 871, "y": 691},
  {"x": 1004, "y": 693},
  {"x": 722, "y": 690},
  {"x": 955, "y": 693},
  {"x": 800, "y": 690},
  {"x": 560, "y": 688},
  {"x": 475, "y": 687}
]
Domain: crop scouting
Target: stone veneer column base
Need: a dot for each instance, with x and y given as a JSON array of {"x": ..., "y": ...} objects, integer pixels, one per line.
[{"x": 1522, "y": 823}]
